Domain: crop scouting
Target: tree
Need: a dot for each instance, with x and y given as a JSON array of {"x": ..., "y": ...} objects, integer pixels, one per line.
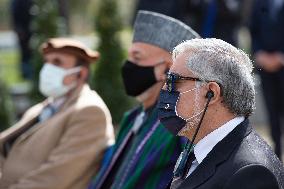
[
  {"x": 107, "y": 79},
  {"x": 6, "y": 107},
  {"x": 46, "y": 24}
]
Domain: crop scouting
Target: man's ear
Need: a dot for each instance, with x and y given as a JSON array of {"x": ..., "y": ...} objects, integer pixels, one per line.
[
  {"x": 169, "y": 62},
  {"x": 215, "y": 89},
  {"x": 83, "y": 74},
  {"x": 160, "y": 71}
]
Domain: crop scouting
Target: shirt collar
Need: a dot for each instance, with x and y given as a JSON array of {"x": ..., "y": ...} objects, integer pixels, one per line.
[
  {"x": 205, "y": 145},
  {"x": 57, "y": 102}
]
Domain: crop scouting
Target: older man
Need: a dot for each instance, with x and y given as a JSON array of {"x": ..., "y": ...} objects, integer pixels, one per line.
[
  {"x": 145, "y": 152},
  {"x": 208, "y": 97},
  {"x": 60, "y": 142}
]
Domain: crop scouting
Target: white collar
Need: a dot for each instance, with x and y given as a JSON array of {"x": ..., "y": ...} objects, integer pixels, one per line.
[{"x": 205, "y": 145}]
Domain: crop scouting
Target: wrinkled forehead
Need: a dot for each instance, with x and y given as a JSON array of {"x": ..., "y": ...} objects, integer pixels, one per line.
[
  {"x": 146, "y": 54},
  {"x": 145, "y": 49},
  {"x": 61, "y": 59},
  {"x": 60, "y": 55}
]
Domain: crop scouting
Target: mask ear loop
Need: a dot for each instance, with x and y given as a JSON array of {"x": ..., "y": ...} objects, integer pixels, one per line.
[
  {"x": 73, "y": 70},
  {"x": 182, "y": 169},
  {"x": 179, "y": 99},
  {"x": 188, "y": 90},
  {"x": 187, "y": 119}
]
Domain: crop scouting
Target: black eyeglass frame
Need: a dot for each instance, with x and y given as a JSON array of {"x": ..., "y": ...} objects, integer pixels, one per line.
[{"x": 172, "y": 78}]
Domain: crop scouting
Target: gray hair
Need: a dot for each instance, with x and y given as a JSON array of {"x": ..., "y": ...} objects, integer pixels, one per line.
[{"x": 215, "y": 60}]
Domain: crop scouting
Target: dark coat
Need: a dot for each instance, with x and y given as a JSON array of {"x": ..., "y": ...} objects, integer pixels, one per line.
[
  {"x": 266, "y": 28},
  {"x": 242, "y": 160}
]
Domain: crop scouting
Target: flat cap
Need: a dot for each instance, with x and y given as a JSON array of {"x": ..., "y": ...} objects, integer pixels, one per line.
[
  {"x": 69, "y": 46},
  {"x": 161, "y": 30}
]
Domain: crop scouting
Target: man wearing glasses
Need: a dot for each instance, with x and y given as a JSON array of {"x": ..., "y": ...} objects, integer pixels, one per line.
[{"x": 208, "y": 98}]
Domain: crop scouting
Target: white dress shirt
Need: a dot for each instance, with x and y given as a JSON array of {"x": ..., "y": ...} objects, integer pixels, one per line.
[{"x": 205, "y": 145}]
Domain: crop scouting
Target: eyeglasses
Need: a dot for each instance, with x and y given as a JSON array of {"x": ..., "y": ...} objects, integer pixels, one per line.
[{"x": 173, "y": 78}]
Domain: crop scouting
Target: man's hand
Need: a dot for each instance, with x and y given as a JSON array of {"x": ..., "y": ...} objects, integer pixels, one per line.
[{"x": 270, "y": 62}]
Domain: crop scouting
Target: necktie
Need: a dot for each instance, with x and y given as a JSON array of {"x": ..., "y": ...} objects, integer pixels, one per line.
[
  {"x": 47, "y": 113},
  {"x": 178, "y": 180}
]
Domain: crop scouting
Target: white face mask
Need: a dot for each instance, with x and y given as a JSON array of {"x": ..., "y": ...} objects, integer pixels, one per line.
[{"x": 51, "y": 80}]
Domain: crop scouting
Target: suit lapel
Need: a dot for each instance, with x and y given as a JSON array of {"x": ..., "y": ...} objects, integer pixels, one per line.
[
  {"x": 26, "y": 122},
  {"x": 12, "y": 134},
  {"x": 33, "y": 124},
  {"x": 219, "y": 154},
  {"x": 26, "y": 134}
]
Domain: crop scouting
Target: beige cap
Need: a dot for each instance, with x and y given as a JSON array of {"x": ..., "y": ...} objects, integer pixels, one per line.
[{"x": 69, "y": 46}]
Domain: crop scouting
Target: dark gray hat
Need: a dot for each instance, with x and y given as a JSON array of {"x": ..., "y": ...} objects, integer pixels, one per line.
[{"x": 161, "y": 30}]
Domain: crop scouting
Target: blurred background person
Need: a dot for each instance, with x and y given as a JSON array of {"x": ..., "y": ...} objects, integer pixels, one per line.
[
  {"x": 59, "y": 142},
  {"x": 170, "y": 8},
  {"x": 63, "y": 9},
  {"x": 210, "y": 18},
  {"x": 267, "y": 29},
  {"x": 214, "y": 18},
  {"x": 21, "y": 21}
]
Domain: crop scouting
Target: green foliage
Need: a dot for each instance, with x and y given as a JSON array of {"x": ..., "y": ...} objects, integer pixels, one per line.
[
  {"x": 107, "y": 78},
  {"x": 6, "y": 110},
  {"x": 46, "y": 24},
  {"x": 9, "y": 68},
  {"x": 4, "y": 14}
]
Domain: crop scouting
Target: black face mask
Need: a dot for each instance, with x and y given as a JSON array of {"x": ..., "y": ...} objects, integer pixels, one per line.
[
  {"x": 137, "y": 79},
  {"x": 167, "y": 111}
]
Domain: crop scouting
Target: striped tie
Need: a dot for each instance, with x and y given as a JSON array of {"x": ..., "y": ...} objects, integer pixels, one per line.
[{"x": 178, "y": 180}]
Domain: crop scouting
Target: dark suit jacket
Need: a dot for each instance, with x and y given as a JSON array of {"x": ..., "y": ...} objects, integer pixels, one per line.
[
  {"x": 266, "y": 30},
  {"x": 241, "y": 160},
  {"x": 225, "y": 25}
]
